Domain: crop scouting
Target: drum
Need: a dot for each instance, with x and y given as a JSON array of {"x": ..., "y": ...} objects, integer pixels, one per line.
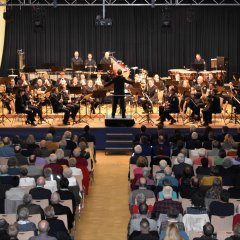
[
  {"x": 204, "y": 74},
  {"x": 173, "y": 72},
  {"x": 187, "y": 75},
  {"x": 219, "y": 74}
]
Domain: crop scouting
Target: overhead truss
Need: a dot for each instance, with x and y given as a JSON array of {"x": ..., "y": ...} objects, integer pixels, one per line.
[{"x": 92, "y": 3}]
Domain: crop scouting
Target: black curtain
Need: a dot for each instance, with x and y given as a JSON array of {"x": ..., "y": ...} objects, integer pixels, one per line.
[{"x": 136, "y": 36}]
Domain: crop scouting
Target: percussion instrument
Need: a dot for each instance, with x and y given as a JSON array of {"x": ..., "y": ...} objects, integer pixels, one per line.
[
  {"x": 219, "y": 74},
  {"x": 187, "y": 75},
  {"x": 174, "y": 72}
]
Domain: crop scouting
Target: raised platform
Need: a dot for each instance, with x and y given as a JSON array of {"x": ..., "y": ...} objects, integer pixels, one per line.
[{"x": 119, "y": 122}]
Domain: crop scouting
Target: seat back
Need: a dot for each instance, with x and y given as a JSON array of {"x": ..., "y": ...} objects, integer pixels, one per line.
[
  {"x": 11, "y": 206},
  {"x": 67, "y": 203},
  {"x": 186, "y": 203},
  {"x": 91, "y": 149},
  {"x": 131, "y": 168},
  {"x": 42, "y": 203},
  {"x": 25, "y": 235},
  {"x": 195, "y": 222},
  {"x": 35, "y": 218},
  {"x": 222, "y": 223},
  {"x": 10, "y": 218},
  {"x": 156, "y": 168}
]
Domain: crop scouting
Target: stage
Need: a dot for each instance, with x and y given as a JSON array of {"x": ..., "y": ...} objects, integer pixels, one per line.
[{"x": 12, "y": 127}]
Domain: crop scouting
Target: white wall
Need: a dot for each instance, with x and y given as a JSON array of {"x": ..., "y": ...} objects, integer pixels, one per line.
[{"x": 2, "y": 32}]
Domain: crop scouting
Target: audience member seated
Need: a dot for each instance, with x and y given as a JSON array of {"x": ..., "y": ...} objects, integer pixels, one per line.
[
  {"x": 50, "y": 144},
  {"x": 12, "y": 166},
  {"x": 160, "y": 131},
  {"x": 31, "y": 168},
  {"x": 176, "y": 137},
  {"x": 168, "y": 176},
  {"x": 203, "y": 170},
  {"x": 72, "y": 165},
  {"x": 221, "y": 136},
  {"x": 137, "y": 137},
  {"x": 215, "y": 149},
  {"x": 142, "y": 189},
  {"x": 184, "y": 181},
  {"x": 137, "y": 152},
  {"x": 84, "y": 153},
  {"x": 145, "y": 233},
  {"x": 60, "y": 157},
  {"x": 173, "y": 233},
  {"x": 222, "y": 207},
  {"x": 236, "y": 160},
  {"x": 194, "y": 142},
  {"x": 4, "y": 229},
  {"x": 26, "y": 181},
  {"x": 39, "y": 192},
  {"x": 172, "y": 217},
  {"x": 160, "y": 174},
  {"x": 146, "y": 147},
  {"x": 32, "y": 208},
  {"x": 187, "y": 160},
  {"x": 50, "y": 183},
  {"x": 21, "y": 160},
  {"x": 57, "y": 227},
  {"x": 155, "y": 160},
  {"x": 235, "y": 191},
  {"x": 207, "y": 131},
  {"x": 166, "y": 183},
  {"x": 198, "y": 204},
  {"x": 12, "y": 232},
  {"x": 87, "y": 135},
  {"x": 67, "y": 173},
  {"x": 44, "y": 150},
  {"x": 6, "y": 150},
  {"x": 134, "y": 224},
  {"x": 56, "y": 168},
  {"x": 68, "y": 137},
  {"x": 187, "y": 189},
  {"x": 207, "y": 143},
  {"x": 236, "y": 137},
  {"x": 31, "y": 145},
  {"x": 163, "y": 146},
  {"x": 65, "y": 194},
  {"x": 201, "y": 154},
  {"x": 40, "y": 160},
  {"x": 179, "y": 169},
  {"x": 177, "y": 148},
  {"x": 140, "y": 199},
  {"x": 220, "y": 158},
  {"x": 192, "y": 129},
  {"x": 141, "y": 163},
  {"x": 214, "y": 192},
  {"x": 149, "y": 181},
  {"x": 228, "y": 142},
  {"x": 63, "y": 145},
  {"x": 14, "y": 193},
  {"x": 43, "y": 227},
  {"x": 163, "y": 205},
  {"x": 208, "y": 231},
  {"x": 23, "y": 224},
  {"x": 62, "y": 210}
]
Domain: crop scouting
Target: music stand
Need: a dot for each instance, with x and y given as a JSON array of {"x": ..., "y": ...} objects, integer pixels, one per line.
[
  {"x": 80, "y": 67},
  {"x": 100, "y": 93},
  {"x": 198, "y": 66},
  {"x": 136, "y": 92},
  {"x": 105, "y": 67},
  {"x": 29, "y": 69},
  {"x": 77, "y": 91}
]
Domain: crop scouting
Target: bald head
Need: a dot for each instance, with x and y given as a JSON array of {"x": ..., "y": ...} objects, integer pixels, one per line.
[
  {"x": 42, "y": 144},
  {"x": 55, "y": 198},
  {"x": 41, "y": 181},
  {"x": 43, "y": 226},
  {"x": 142, "y": 182}
]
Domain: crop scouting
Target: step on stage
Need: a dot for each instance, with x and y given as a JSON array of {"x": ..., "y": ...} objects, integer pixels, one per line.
[{"x": 118, "y": 121}]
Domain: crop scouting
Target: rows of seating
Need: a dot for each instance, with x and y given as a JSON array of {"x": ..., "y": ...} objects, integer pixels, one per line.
[
  {"x": 43, "y": 184},
  {"x": 187, "y": 186}
]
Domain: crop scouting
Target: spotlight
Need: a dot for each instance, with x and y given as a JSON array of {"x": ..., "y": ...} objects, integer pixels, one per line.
[{"x": 103, "y": 21}]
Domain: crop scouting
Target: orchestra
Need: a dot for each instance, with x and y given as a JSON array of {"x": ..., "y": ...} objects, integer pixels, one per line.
[{"x": 201, "y": 93}]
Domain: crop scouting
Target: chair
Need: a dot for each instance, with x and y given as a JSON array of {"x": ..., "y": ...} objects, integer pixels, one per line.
[
  {"x": 11, "y": 206},
  {"x": 236, "y": 202},
  {"x": 10, "y": 218},
  {"x": 3, "y": 160},
  {"x": 35, "y": 218},
  {"x": 42, "y": 203},
  {"x": 19, "y": 116},
  {"x": 64, "y": 219},
  {"x": 193, "y": 234},
  {"x": 92, "y": 150},
  {"x": 25, "y": 235},
  {"x": 222, "y": 223},
  {"x": 186, "y": 203},
  {"x": 219, "y": 113},
  {"x": 149, "y": 160},
  {"x": 195, "y": 222},
  {"x": 67, "y": 203}
]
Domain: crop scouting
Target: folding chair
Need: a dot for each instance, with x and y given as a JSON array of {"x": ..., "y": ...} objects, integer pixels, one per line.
[
  {"x": 35, "y": 218},
  {"x": 10, "y": 218},
  {"x": 64, "y": 219},
  {"x": 67, "y": 203},
  {"x": 222, "y": 223},
  {"x": 25, "y": 235},
  {"x": 42, "y": 203}
]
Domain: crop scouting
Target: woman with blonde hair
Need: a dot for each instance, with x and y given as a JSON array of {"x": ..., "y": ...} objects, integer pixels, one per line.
[{"x": 172, "y": 233}]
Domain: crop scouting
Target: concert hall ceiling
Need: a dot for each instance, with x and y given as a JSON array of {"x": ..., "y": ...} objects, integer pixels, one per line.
[{"x": 152, "y": 3}]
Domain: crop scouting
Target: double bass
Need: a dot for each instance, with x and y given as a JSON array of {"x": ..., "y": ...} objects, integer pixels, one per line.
[{"x": 117, "y": 64}]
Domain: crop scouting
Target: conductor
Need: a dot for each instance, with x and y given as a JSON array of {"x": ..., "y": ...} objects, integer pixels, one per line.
[{"x": 119, "y": 92}]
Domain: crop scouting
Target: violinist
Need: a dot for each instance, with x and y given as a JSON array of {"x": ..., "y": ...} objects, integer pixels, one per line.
[
  {"x": 47, "y": 82},
  {"x": 212, "y": 106},
  {"x": 75, "y": 82},
  {"x": 22, "y": 81},
  {"x": 98, "y": 81},
  {"x": 8, "y": 98},
  {"x": 40, "y": 88},
  {"x": 106, "y": 59},
  {"x": 171, "y": 106},
  {"x": 62, "y": 80}
]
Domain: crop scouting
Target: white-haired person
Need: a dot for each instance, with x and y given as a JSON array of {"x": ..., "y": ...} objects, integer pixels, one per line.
[
  {"x": 168, "y": 176},
  {"x": 136, "y": 153},
  {"x": 50, "y": 183},
  {"x": 61, "y": 157},
  {"x": 56, "y": 168},
  {"x": 194, "y": 142},
  {"x": 201, "y": 154}
]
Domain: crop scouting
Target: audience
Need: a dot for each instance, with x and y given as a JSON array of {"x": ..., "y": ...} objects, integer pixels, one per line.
[
  {"x": 208, "y": 231},
  {"x": 6, "y": 150},
  {"x": 53, "y": 165}
]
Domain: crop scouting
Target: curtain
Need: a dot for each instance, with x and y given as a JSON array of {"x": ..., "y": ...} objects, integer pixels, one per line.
[{"x": 136, "y": 36}]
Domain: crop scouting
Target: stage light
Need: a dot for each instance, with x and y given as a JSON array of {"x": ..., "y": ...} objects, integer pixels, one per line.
[
  {"x": 166, "y": 18},
  {"x": 103, "y": 21}
]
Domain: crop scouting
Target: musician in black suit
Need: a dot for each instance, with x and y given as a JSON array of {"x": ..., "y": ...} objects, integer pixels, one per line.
[
  {"x": 171, "y": 106},
  {"x": 67, "y": 102},
  {"x": 106, "y": 59},
  {"x": 90, "y": 63},
  {"x": 57, "y": 105},
  {"x": 22, "y": 107},
  {"x": 7, "y": 99},
  {"x": 119, "y": 93},
  {"x": 199, "y": 60},
  {"x": 76, "y": 60},
  {"x": 212, "y": 106}
]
